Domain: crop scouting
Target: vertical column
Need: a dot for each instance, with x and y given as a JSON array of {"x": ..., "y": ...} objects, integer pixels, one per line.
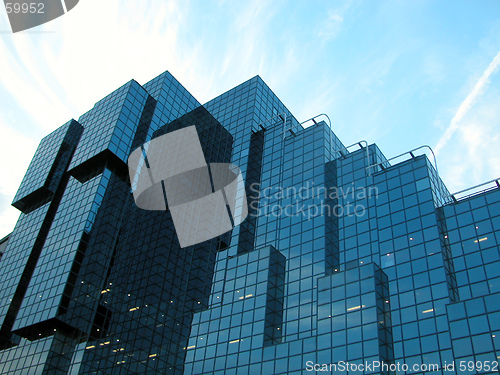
[
  {"x": 354, "y": 323},
  {"x": 38, "y": 197},
  {"x": 246, "y": 239}
]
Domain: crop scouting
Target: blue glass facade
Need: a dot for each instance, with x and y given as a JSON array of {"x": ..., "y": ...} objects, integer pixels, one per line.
[{"x": 345, "y": 259}]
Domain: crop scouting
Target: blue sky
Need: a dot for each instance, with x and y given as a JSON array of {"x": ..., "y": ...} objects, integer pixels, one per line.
[{"x": 397, "y": 73}]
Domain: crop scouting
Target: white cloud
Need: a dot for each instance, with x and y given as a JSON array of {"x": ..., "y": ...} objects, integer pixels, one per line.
[
  {"x": 16, "y": 151},
  {"x": 469, "y": 101},
  {"x": 332, "y": 25},
  {"x": 472, "y": 157},
  {"x": 60, "y": 69}
]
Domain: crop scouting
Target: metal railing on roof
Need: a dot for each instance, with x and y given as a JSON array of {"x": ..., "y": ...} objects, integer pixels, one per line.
[
  {"x": 360, "y": 144},
  {"x": 293, "y": 132},
  {"x": 496, "y": 185},
  {"x": 282, "y": 116},
  {"x": 454, "y": 197},
  {"x": 444, "y": 194},
  {"x": 411, "y": 153},
  {"x": 313, "y": 119}
]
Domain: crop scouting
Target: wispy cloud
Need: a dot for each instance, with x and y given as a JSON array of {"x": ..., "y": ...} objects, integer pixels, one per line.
[
  {"x": 47, "y": 78},
  {"x": 467, "y": 104},
  {"x": 16, "y": 150},
  {"x": 472, "y": 157},
  {"x": 332, "y": 25}
]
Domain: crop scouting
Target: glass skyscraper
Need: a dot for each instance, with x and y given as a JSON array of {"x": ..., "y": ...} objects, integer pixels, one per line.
[{"x": 348, "y": 262}]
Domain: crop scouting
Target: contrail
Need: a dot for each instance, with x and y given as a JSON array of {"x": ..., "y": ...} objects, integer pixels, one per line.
[{"x": 469, "y": 101}]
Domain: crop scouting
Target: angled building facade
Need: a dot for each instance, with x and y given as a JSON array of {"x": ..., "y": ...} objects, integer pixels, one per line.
[{"x": 347, "y": 262}]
